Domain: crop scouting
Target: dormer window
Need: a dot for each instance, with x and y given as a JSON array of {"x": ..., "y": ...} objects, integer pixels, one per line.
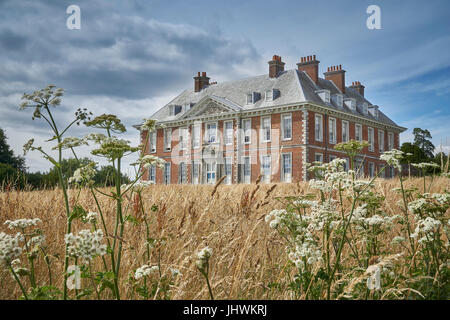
[
  {"x": 271, "y": 94},
  {"x": 374, "y": 111},
  {"x": 324, "y": 95},
  {"x": 350, "y": 103},
  {"x": 365, "y": 107},
  {"x": 187, "y": 107},
  {"x": 175, "y": 109},
  {"x": 338, "y": 99},
  {"x": 252, "y": 97},
  {"x": 249, "y": 98}
]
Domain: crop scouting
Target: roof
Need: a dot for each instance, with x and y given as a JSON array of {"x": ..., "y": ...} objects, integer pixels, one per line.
[{"x": 293, "y": 86}]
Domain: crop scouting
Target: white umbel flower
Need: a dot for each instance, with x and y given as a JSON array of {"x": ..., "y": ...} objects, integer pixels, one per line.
[
  {"x": 86, "y": 245},
  {"x": 10, "y": 248},
  {"x": 22, "y": 223},
  {"x": 203, "y": 258},
  {"x": 144, "y": 271}
]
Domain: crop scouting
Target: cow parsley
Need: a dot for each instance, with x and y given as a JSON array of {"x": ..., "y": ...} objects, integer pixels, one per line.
[
  {"x": 144, "y": 271},
  {"x": 10, "y": 247},
  {"x": 22, "y": 223},
  {"x": 86, "y": 245}
]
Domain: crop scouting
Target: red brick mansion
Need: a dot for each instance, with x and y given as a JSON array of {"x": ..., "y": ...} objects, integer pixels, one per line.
[{"x": 270, "y": 125}]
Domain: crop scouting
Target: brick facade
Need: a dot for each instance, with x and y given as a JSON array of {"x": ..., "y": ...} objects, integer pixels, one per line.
[{"x": 257, "y": 147}]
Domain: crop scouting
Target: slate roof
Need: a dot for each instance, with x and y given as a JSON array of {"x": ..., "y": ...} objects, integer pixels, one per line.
[{"x": 294, "y": 87}]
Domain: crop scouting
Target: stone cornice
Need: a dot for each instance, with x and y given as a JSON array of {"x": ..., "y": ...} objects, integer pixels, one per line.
[{"x": 281, "y": 109}]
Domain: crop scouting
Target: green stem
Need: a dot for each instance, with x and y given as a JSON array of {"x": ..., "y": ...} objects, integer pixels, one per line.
[
  {"x": 408, "y": 227},
  {"x": 119, "y": 219},
  {"x": 206, "y": 274},
  {"x": 18, "y": 281},
  {"x": 92, "y": 280}
]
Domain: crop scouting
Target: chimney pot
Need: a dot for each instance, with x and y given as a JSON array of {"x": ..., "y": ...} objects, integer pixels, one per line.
[
  {"x": 200, "y": 81},
  {"x": 310, "y": 65},
  {"x": 337, "y": 76},
  {"x": 275, "y": 66},
  {"x": 358, "y": 87}
]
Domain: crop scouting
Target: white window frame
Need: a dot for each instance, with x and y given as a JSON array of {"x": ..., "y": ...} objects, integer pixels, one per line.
[
  {"x": 391, "y": 172},
  {"x": 318, "y": 132},
  {"x": 211, "y": 168},
  {"x": 207, "y": 132},
  {"x": 320, "y": 156},
  {"x": 332, "y": 130},
  {"x": 339, "y": 100},
  {"x": 346, "y": 132},
  {"x": 371, "y": 138},
  {"x": 371, "y": 169},
  {"x": 357, "y": 125},
  {"x": 359, "y": 167},
  {"x": 390, "y": 140},
  {"x": 152, "y": 141},
  {"x": 365, "y": 107},
  {"x": 167, "y": 172},
  {"x": 268, "y": 97},
  {"x": 183, "y": 137},
  {"x": 347, "y": 164},
  {"x": 264, "y": 130},
  {"x": 229, "y": 175},
  {"x": 228, "y": 138},
  {"x": 283, "y": 135},
  {"x": 245, "y": 178},
  {"x": 196, "y": 168},
  {"x": 196, "y": 134},
  {"x": 380, "y": 141},
  {"x": 251, "y": 100},
  {"x": 152, "y": 173},
  {"x": 285, "y": 178},
  {"x": 244, "y": 131},
  {"x": 167, "y": 139},
  {"x": 331, "y": 157},
  {"x": 266, "y": 178},
  {"x": 182, "y": 173}
]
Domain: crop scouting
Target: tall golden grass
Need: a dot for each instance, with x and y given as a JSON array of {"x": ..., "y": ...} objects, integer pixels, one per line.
[{"x": 247, "y": 255}]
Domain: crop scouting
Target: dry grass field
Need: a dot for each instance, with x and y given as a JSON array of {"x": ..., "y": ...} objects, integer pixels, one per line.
[{"x": 248, "y": 256}]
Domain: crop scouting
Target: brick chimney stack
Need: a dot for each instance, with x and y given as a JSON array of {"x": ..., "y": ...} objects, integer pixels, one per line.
[
  {"x": 200, "y": 81},
  {"x": 337, "y": 75},
  {"x": 358, "y": 87},
  {"x": 310, "y": 65},
  {"x": 275, "y": 66}
]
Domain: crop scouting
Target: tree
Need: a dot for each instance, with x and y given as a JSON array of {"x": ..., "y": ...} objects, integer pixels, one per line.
[
  {"x": 68, "y": 167},
  {"x": 105, "y": 177},
  {"x": 442, "y": 160},
  {"x": 416, "y": 153},
  {"x": 7, "y": 155},
  {"x": 421, "y": 139}
]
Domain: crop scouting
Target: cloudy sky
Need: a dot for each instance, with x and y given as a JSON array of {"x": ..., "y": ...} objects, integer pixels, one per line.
[{"x": 131, "y": 57}]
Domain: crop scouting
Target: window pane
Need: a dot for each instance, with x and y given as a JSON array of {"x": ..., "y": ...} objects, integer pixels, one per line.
[
  {"x": 287, "y": 127},
  {"x": 266, "y": 127},
  {"x": 211, "y": 132},
  {"x": 286, "y": 170},
  {"x": 228, "y": 170},
  {"x": 228, "y": 132},
  {"x": 247, "y": 130},
  {"x": 196, "y": 136}
]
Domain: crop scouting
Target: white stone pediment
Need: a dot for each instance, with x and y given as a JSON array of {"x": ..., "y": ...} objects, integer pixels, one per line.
[{"x": 207, "y": 106}]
